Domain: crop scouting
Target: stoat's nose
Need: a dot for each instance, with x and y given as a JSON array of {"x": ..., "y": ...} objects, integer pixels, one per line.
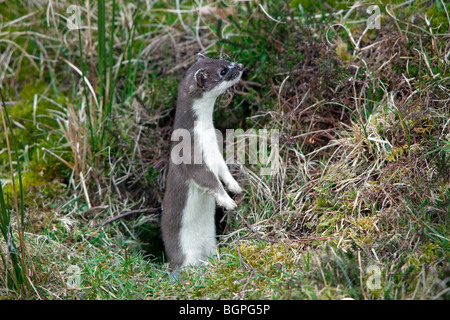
[{"x": 239, "y": 66}]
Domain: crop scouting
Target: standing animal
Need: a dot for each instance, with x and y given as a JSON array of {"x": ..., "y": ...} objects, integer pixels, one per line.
[{"x": 193, "y": 184}]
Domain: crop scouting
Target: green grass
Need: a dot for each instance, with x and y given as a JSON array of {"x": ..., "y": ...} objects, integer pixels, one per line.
[
  {"x": 14, "y": 257},
  {"x": 359, "y": 208}
]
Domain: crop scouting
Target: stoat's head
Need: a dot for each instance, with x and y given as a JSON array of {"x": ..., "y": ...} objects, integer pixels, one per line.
[{"x": 213, "y": 76}]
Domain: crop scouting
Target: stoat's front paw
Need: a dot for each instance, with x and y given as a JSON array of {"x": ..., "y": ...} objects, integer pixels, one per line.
[
  {"x": 234, "y": 187},
  {"x": 224, "y": 200}
]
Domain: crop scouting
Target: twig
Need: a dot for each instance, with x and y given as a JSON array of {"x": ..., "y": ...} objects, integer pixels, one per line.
[
  {"x": 310, "y": 239},
  {"x": 70, "y": 165},
  {"x": 277, "y": 241},
  {"x": 125, "y": 214},
  {"x": 86, "y": 194},
  {"x": 246, "y": 284},
  {"x": 256, "y": 233}
]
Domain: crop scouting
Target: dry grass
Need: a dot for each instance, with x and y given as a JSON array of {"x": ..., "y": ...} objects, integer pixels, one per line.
[{"x": 361, "y": 179}]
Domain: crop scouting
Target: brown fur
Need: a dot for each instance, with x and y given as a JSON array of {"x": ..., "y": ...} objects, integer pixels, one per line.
[{"x": 200, "y": 78}]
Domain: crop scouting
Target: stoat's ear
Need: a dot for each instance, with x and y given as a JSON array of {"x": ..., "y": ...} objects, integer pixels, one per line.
[
  {"x": 200, "y": 56},
  {"x": 200, "y": 77}
]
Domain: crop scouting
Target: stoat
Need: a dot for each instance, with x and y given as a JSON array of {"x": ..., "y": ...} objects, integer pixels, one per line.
[{"x": 193, "y": 183}]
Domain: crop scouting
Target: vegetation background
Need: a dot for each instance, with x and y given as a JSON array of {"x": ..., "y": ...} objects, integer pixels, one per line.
[{"x": 357, "y": 205}]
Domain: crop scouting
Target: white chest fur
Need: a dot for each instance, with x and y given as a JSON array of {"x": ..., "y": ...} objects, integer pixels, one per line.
[
  {"x": 207, "y": 149},
  {"x": 198, "y": 230}
]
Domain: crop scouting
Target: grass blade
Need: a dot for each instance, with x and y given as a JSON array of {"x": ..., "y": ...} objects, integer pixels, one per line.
[{"x": 19, "y": 265}]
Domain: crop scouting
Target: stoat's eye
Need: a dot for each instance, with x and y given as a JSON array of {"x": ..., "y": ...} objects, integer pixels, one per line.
[{"x": 223, "y": 71}]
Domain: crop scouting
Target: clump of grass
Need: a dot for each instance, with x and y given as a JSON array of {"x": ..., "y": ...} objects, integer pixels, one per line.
[
  {"x": 17, "y": 275},
  {"x": 367, "y": 189}
]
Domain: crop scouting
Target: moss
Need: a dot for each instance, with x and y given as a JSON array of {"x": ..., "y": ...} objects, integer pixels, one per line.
[
  {"x": 34, "y": 130},
  {"x": 328, "y": 221},
  {"x": 267, "y": 256},
  {"x": 322, "y": 203},
  {"x": 395, "y": 154},
  {"x": 342, "y": 51},
  {"x": 436, "y": 13},
  {"x": 34, "y": 185}
]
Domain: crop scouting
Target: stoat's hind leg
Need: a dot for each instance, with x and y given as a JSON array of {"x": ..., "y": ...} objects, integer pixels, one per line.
[{"x": 198, "y": 229}]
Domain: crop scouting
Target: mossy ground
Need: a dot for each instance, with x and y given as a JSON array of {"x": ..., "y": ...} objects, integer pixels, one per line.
[{"x": 358, "y": 206}]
